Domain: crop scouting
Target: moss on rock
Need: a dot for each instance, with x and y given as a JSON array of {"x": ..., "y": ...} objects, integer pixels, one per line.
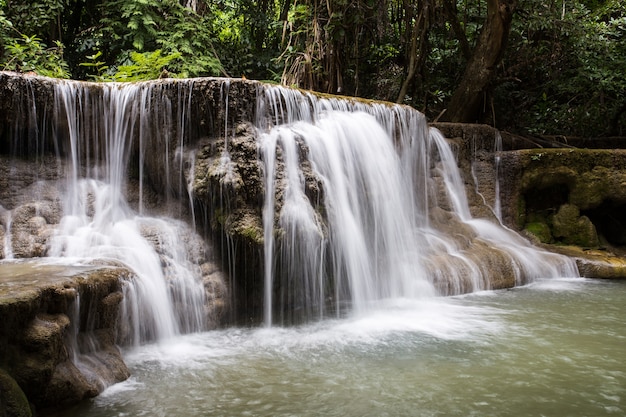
[
  {"x": 13, "y": 401},
  {"x": 574, "y": 229},
  {"x": 541, "y": 231},
  {"x": 597, "y": 185}
]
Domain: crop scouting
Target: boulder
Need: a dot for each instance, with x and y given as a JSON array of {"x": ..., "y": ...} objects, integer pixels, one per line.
[
  {"x": 13, "y": 401},
  {"x": 574, "y": 229},
  {"x": 57, "y": 351}
]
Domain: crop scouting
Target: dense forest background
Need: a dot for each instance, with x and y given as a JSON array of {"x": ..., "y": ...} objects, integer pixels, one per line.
[{"x": 533, "y": 67}]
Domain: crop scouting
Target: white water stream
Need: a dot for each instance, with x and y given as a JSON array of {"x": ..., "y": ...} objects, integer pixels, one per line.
[
  {"x": 166, "y": 296},
  {"x": 368, "y": 236}
]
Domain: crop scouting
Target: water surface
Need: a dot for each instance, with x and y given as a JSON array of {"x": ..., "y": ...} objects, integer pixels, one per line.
[{"x": 552, "y": 348}]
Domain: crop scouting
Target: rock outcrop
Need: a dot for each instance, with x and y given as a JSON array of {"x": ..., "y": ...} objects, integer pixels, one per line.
[
  {"x": 58, "y": 332},
  {"x": 557, "y": 195},
  {"x": 228, "y": 183}
]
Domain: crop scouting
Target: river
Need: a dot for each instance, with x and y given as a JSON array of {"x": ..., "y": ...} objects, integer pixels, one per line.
[{"x": 551, "y": 348}]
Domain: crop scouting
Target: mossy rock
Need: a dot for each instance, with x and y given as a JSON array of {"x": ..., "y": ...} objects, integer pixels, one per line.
[
  {"x": 541, "y": 231},
  {"x": 13, "y": 401},
  {"x": 595, "y": 186},
  {"x": 246, "y": 225},
  {"x": 573, "y": 229}
]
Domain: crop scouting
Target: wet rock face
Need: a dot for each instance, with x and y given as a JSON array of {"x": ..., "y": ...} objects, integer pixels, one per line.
[
  {"x": 228, "y": 184},
  {"x": 30, "y": 206},
  {"x": 475, "y": 147},
  {"x": 57, "y": 350},
  {"x": 13, "y": 402},
  {"x": 568, "y": 196}
]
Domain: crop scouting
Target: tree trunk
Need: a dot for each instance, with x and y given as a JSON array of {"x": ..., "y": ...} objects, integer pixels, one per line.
[
  {"x": 417, "y": 53},
  {"x": 449, "y": 9},
  {"x": 469, "y": 99}
]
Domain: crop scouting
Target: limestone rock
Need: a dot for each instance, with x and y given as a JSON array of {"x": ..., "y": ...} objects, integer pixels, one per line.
[
  {"x": 573, "y": 228},
  {"x": 13, "y": 402},
  {"x": 46, "y": 344}
]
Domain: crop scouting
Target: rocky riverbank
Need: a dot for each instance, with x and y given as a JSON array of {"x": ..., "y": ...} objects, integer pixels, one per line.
[{"x": 58, "y": 332}]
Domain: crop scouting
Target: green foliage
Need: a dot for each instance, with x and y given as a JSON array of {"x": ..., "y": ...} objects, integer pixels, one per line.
[
  {"x": 28, "y": 53},
  {"x": 246, "y": 37},
  {"x": 156, "y": 33},
  {"x": 145, "y": 66},
  {"x": 132, "y": 24},
  {"x": 563, "y": 72},
  {"x": 34, "y": 17},
  {"x": 95, "y": 64},
  {"x": 570, "y": 64},
  {"x": 6, "y": 27}
]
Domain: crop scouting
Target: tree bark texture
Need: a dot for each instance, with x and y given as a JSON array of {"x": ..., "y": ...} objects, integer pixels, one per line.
[
  {"x": 417, "y": 56},
  {"x": 469, "y": 99}
]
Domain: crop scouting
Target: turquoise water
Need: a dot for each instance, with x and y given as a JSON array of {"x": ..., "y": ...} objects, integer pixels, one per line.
[{"x": 553, "y": 348}]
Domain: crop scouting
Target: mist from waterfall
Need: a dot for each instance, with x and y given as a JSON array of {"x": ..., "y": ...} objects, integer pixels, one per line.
[{"x": 352, "y": 189}]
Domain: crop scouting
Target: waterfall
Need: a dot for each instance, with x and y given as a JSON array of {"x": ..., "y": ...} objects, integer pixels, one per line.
[
  {"x": 363, "y": 202},
  {"x": 497, "y": 149},
  {"x": 166, "y": 296},
  {"x": 351, "y": 190},
  {"x": 5, "y": 216}
]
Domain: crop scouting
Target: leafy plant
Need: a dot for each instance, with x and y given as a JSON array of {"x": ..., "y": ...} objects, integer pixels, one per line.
[
  {"x": 145, "y": 66},
  {"x": 28, "y": 53},
  {"x": 95, "y": 64},
  {"x": 163, "y": 33}
]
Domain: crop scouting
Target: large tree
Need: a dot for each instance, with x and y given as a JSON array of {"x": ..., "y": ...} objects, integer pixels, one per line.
[{"x": 470, "y": 99}]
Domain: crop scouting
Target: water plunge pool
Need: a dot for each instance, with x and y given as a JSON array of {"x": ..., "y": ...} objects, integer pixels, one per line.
[{"x": 552, "y": 348}]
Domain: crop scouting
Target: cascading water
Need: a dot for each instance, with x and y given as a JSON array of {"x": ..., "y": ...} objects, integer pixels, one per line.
[
  {"x": 358, "y": 217},
  {"x": 365, "y": 210},
  {"x": 363, "y": 202},
  {"x": 5, "y": 215},
  {"x": 166, "y": 296}
]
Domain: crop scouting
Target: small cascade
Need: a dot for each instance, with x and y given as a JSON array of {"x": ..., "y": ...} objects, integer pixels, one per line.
[
  {"x": 166, "y": 297},
  {"x": 226, "y": 165},
  {"x": 528, "y": 262},
  {"x": 493, "y": 162},
  {"x": 82, "y": 350},
  {"x": 6, "y": 220},
  {"x": 352, "y": 187},
  {"x": 497, "y": 149}
]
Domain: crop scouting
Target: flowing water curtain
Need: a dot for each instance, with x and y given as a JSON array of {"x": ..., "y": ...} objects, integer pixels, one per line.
[
  {"x": 353, "y": 185},
  {"x": 360, "y": 232},
  {"x": 100, "y": 140}
]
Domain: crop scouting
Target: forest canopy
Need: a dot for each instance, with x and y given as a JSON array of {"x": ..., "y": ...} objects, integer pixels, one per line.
[{"x": 531, "y": 67}]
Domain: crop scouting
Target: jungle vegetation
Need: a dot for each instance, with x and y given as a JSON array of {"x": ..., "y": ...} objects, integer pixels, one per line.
[{"x": 534, "y": 67}]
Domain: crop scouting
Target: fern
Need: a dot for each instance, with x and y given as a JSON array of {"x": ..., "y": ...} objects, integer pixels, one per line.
[{"x": 145, "y": 66}]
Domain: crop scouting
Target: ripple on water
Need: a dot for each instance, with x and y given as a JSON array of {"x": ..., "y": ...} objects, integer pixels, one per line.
[{"x": 537, "y": 350}]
